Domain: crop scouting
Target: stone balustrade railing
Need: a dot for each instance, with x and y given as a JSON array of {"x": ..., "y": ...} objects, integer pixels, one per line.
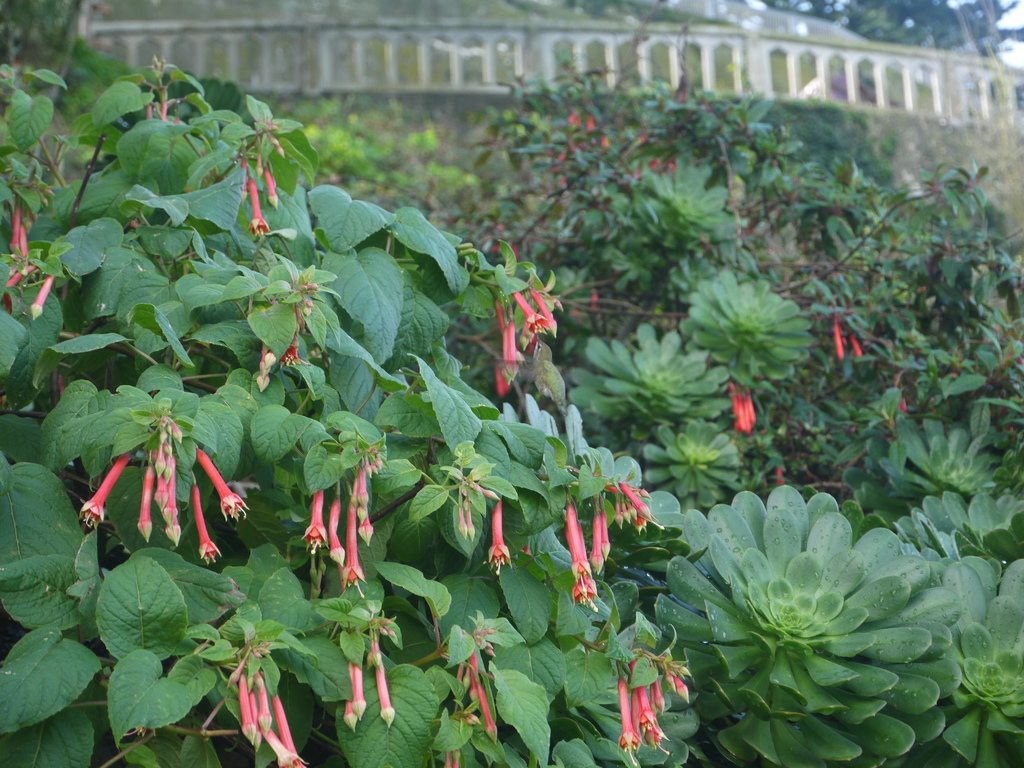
[{"x": 315, "y": 55}]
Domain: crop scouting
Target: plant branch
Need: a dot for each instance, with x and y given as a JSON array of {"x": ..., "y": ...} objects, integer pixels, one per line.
[
  {"x": 127, "y": 750},
  {"x": 390, "y": 507},
  {"x": 85, "y": 179}
]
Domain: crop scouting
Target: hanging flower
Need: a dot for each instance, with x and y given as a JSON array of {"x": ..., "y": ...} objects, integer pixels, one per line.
[
  {"x": 630, "y": 738},
  {"x": 145, "y": 518},
  {"x": 207, "y": 549},
  {"x": 337, "y": 551},
  {"x": 231, "y": 504},
  {"x": 316, "y": 534},
  {"x": 498, "y": 555},
  {"x": 93, "y": 510}
]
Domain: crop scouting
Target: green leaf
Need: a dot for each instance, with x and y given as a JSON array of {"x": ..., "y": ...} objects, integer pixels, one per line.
[
  {"x": 529, "y": 601},
  {"x": 369, "y": 288},
  {"x": 89, "y": 245},
  {"x": 208, "y": 594},
  {"x": 542, "y": 662},
  {"x": 140, "y": 607},
  {"x": 28, "y": 118},
  {"x": 523, "y": 704},
  {"x": 218, "y": 203},
  {"x": 36, "y": 517},
  {"x": 345, "y": 222},
  {"x": 34, "y": 591},
  {"x": 414, "y": 231},
  {"x": 282, "y": 600},
  {"x": 274, "y": 431},
  {"x": 412, "y": 580},
  {"x": 458, "y": 422},
  {"x": 429, "y": 499},
  {"x": 42, "y": 674},
  {"x": 87, "y": 343},
  {"x": 324, "y": 669},
  {"x": 275, "y": 327},
  {"x": 62, "y": 741},
  {"x": 965, "y": 382},
  {"x": 405, "y": 743},
  {"x": 322, "y": 469},
  {"x": 140, "y": 697},
  {"x": 119, "y": 99},
  {"x": 154, "y": 320},
  {"x": 588, "y": 674},
  {"x": 47, "y": 76},
  {"x": 469, "y": 596},
  {"x": 12, "y": 338}
]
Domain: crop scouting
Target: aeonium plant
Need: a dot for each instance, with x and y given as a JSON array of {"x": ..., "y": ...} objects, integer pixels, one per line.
[
  {"x": 249, "y": 511},
  {"x": 809, "y": 648}
]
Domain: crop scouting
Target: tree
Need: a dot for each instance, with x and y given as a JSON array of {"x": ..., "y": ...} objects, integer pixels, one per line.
[{"x": 933, "y": 23}]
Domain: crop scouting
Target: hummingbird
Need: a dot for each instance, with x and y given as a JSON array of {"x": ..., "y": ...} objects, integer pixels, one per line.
[{"x": 547, "y": 376}]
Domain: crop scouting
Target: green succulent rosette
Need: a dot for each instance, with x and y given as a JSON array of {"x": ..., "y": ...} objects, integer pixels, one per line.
[
  {"x": 656, "y": 383},
  {"x": 949, "y": 527},
  {"x": 809, "y": 649},
  {"x": 697, "y": 464},
  {"x": 985, "y": 716},
  {"x": 754, "y": 331}
]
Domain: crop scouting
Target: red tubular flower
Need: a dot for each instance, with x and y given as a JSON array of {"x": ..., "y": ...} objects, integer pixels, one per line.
[
  {"x": 387, "y": 712},
  {"x": 257, "y": 225},
  {"x": 837, "y": 335},
  {"x": 231, "y": 504},
  {"x": 585, "y": 590},
  {"x": 282, "y": 723},
  {"x": 355, "y": 673},
  {"x": 501, "y": 387},
  {"x": 510, "y": 354},
  {"x": 37, "y": 306},
  {"x": 594, "y": 299},
  {"x": 633, "y": 497},
  {"x": 145, "y": 519},
  {"x": 337, "y": 551},
  {"x": 16, "y": 228},
  {"x": 14, "y": 279},
  {"x": 264, "y": 718},
  {"x": 542, "y": 306},
  {"x": 207, "y": 549},
  {"x": 316, "y": 533},
  {"x": 903, "y": 405},
  {"x": 575, "y": 541},
  {"x": 678, "y": 686},
  {"x": 534, "y": 321},
  {"x": 477, "y": 688},
  {"x": 286, "y": 758},
  {"x": 599, "y": 547},
  {"x": 498, "y": 555},
  {"x": 353, "y": 571},
  {"x": 630, "y": 738},
  {"x": 646, "y": 718},
  {"x": 657, "y": 697},
  {"x": 350, "y": 716},
  {"x": 92, "y": 511},
  {"x": 779, "y": 479},
  {"x": 271, "y": 183},
  {"x": 855, "y": 346},
  {"x": 250, "y": 729}
]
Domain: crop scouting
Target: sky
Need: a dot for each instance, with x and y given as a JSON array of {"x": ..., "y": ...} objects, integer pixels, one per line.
[{"x": 1014, "y": 56}]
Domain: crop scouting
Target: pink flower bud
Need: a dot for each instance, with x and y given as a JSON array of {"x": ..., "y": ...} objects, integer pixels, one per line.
[
  {"x": 350, "y": 716},
  {"x": 598, "y": 551},
  {"x": 282, "y": 723},
  {"x": 271, "y": 183},
  {"x": 337, "y": 551},
  {"x": 387, "y": 712},
  {"x": 264, "y": 718},
  {"x": 37, "y": 306},
  {"x": 145, "y": 519},
  {"x": 353, "y": 572},
  {"x": 246, "y": 703},
  {"x": 355, "y": 673}
]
